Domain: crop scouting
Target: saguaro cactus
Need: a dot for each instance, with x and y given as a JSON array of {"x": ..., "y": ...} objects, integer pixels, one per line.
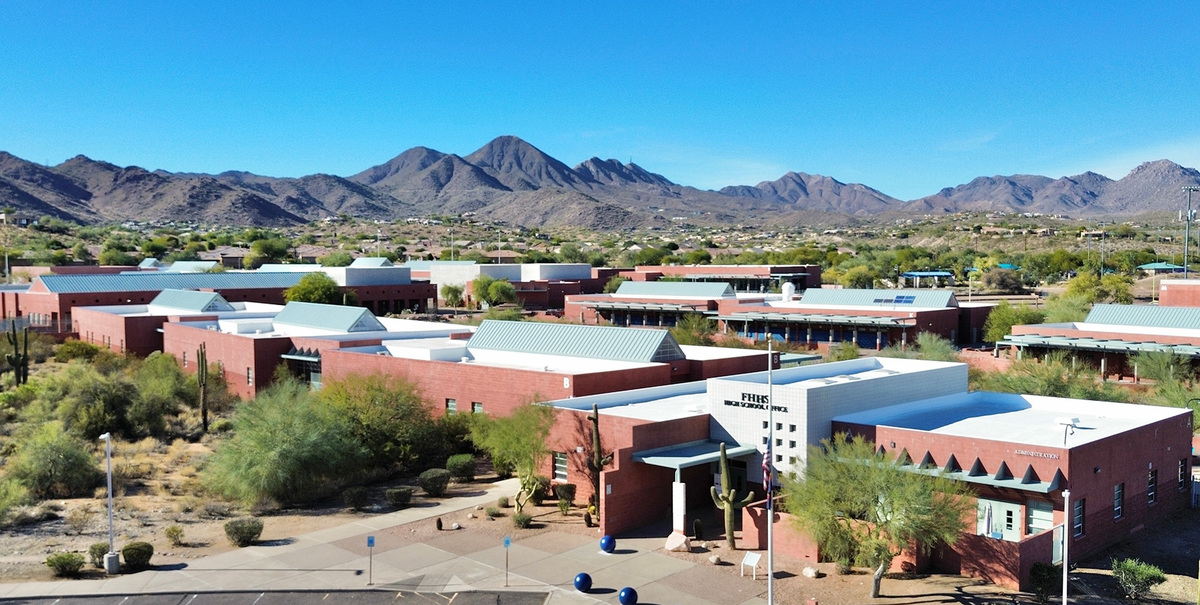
[
  {"x": 598, "y": 460},
  {"x": 202, "y": 382},
  {"x": 727, "y": 499},
  {"x": 19, "y": 358}
]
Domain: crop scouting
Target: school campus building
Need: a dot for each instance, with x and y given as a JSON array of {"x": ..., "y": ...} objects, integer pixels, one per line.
[{"x": 1125, "y": 465}]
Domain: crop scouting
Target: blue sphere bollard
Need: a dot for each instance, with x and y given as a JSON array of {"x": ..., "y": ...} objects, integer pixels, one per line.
[
  {"x": 627, "y": 596},
  {"x": 608, "y": 544},
  {"x": 583, "y": 582}
]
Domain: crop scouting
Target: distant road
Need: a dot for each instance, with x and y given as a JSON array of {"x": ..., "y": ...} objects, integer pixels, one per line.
[{"x": 358, "y": 597}]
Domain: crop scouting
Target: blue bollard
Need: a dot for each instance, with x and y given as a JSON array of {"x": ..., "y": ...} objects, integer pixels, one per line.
[
  {"x": 583, "y": 582},
  {"x": 627, "y": 596},
  {"x": 608, "y": 544}
]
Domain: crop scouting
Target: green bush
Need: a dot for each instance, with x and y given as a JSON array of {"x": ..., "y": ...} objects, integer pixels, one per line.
[
  {"x": 564, "y": 506},
  {"x": 96, "y": 554},
  {"x": 1045, "y": 580},
  {"x": 174, "y": 535},
  {"x": 504, "y": 470},
  {"x": 540, "y": 492},
  {"x": 12, "y": 495},
  {"x": 243, "y": 532},
  {"x": 565, "y": 491},
  {"x": 137, "y": 555},
  {"x": 52, "y": 464},
  {"x": 75, "y": 349},
  {"x": 1136, "y": 577},
  {"x": 287, "y": 446},
  {"x": 502, "y": 502},
  {"x": 434, "y": 481},
  {"x": 65, "y": 564},
  {"x": 522, "y": 520},
  {"x": 355, "y": 497},
  {"x": 461, "y": 467},
  {"x": 492, "y": 512},
  {"x": 399, "y": 497}
]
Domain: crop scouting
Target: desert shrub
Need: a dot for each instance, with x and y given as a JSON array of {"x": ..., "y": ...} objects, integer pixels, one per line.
[
  {"x": 52, "y": 464},
  {"x": 162, "y": 390},
  {"x": 137, "y": 555},
  {"x": 564, "y": 506},
  {"x": 434, "y": 481},
  {"x": 12, "y": 495},
  {"x": 221, "y": 425},
  {"x": 174, "y": 534},
  {"x": 502, "y": 502},
  {"x": 399, "y": 497},
  {"x": 287, "y": 446},
  {"x": 1044, "y": 579},
  {"x": 79, "y": 518},
  {"x": 96, "y": 554},
  {"x": 1136, "y": 577},
  {"x": 491, "y": 512},
  {"x": 355, "y": 497},
  {"x": 75, "y": 349},
  {"x": 65, "y": 564},
  {"x": 565, "y": 491},
  {"x": 243, "y": 532},
  {"x": 539, "y": 492},
  {"x": 461, "y": 467},
  {"x": 504, "y": 469},
  {"x": 522, "y": 520},
  {"x": 87, "y": 401},
  {"x": 388, "y": 417}
]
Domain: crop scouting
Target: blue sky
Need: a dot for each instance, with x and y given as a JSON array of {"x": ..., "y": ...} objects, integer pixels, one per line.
[{"x": 904, "y": 97}]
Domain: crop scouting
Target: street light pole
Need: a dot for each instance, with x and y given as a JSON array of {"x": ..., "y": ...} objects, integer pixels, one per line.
[
  {"x": 1187, "y": 226},
  {"x": 112, "y": 563},
  {"x": 1068, "y": 526}
]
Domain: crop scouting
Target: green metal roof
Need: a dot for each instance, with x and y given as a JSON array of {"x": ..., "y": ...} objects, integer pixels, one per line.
[
  {"x": 371, "y": 261},
  {"x": 149, "y": 281},
  {"x": 1111, "y": 345},
  {"x": 328, "y": 317},
  {"x": 597, "y": 342},
  {"x": 1145, "y": 316},
  {"x": 1160, "y": 266},
  {"x": 676, "y": 289},
  {"x": 149, "y": 263},
  {"x": 886, "y": 299},
  {"x": 647, "y": 306},
  {"x": 191, "y": 300}
]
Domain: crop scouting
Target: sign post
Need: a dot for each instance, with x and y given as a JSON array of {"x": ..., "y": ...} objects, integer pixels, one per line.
[
  {"x": 507, "y": 545},
  {"x": 370, "y": 559}
]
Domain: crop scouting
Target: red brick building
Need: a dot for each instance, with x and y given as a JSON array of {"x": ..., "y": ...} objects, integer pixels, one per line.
[{"x": 742, "y": 278}]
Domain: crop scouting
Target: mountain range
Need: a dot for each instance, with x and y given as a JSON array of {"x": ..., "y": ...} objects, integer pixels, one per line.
[{"x": 510, "y": 180}]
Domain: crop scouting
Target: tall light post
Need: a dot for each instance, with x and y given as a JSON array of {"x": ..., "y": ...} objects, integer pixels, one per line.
[
  {"x": 1187, "y": 226},
  {"x": 112, "y": 563},
  {"x": 1068, "y": 526}
]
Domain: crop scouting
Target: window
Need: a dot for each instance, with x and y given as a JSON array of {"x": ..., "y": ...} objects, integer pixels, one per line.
[
  {"x": 779, "y": 443},
  {"x": 1009, "y": 519},
  {"x": 1182, "y": 473},
  {"x": 560, "y": 466},
  {"x": 765, "y": 441},
  {"x": 779, "y": 426},
  {"x": 1118, "y": 501},
  {"x": 766, "y": 425},
  {"x": 791, "y": 428},
  {"x": 791, "y": 444},
  {"x": 476, "y": 407},
  {"x": 1152, "y": 487},
  {"x": 791, "y": 459},
  {"x": 250, "y": 376},
  {"x": 451, "y": 406},
  {"x": 778, "y": 457},
  {"x": 1077, "y": 518}
]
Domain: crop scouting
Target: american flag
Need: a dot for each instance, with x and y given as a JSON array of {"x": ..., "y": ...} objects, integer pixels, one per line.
[{"x": 767, "y": 472}]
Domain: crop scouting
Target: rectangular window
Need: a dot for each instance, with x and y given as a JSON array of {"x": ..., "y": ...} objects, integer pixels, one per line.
[
  {"x": 778, "y": 457},
  {"x": 791, "y": 428},
  {"x": 779, "y": 443},
  {"x": 560, "y": 466},
  {"x": 185, "y": 359},
  {"x": 779, "y": 426},
  {"x": 451, "y": 406},
  {"x": 766, "y": 425},
  {"x": 250, "y": 376},
  {"x": 1009, "y": 519},
  {"x": 791, "y": 444},
  {"x": 1152, "y": 486},
  {"x": 1118, "y": 501},
  {"x": 791, "y": 459},
  {"x": 476, "y": 407},
  {"x": 1182, "y": 473},
  {"x": 765, "y": 441},
  {"x": 1077, "y": 518}
]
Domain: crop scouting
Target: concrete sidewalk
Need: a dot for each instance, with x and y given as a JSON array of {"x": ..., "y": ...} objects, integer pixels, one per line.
[{"x": 337, "y": 559}]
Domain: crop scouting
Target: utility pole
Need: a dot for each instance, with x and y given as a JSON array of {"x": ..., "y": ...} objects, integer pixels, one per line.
[{"x": 1187, "y": 226}]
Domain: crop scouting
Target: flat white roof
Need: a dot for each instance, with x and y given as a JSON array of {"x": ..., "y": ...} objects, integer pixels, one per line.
[
  {"x": 240, "y": 309},
  {"x": 559, "y": 364},
  {"x": 667, "y": 408},
  {"x": 699, "y": 353},
  {"x": 1027, "y": 419},
  {"x": 795, "y": 305}
]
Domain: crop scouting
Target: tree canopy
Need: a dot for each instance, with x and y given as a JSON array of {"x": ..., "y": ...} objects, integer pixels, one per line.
[
  {"x": 316, "y": 287},
  {"x": 862, "y": 507},
  {"x": 517, "y": 441}
]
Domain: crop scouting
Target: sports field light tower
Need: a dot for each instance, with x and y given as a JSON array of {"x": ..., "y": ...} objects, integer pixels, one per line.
[{"x": 1187, "y": 226}]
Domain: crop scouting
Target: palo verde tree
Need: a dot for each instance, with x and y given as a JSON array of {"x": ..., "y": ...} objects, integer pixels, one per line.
[
  {"x": 517, "y": 441},
  {"x": 317, "y": 287},
  {"x": 862, "y": 506},
  {"x": 694, "y": 329}
]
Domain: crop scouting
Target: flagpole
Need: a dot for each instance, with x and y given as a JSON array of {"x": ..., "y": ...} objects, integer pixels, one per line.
[{"x": 768, "y": 466}]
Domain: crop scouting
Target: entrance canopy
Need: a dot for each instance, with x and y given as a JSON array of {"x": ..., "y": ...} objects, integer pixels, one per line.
[{"x": 690, "y": 454}]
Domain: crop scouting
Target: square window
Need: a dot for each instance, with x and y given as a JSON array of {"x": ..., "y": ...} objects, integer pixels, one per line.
[
  {"x": 476, "y": 407},
  {"x": 779, "y": 426},
  {"x": 791, "y": 428},
  {"x": 791, "y": 444},
  {"x": 779, "y": 443},
  {"x": 791, "y": 459},
  {"x": 778, "y": 457}
]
